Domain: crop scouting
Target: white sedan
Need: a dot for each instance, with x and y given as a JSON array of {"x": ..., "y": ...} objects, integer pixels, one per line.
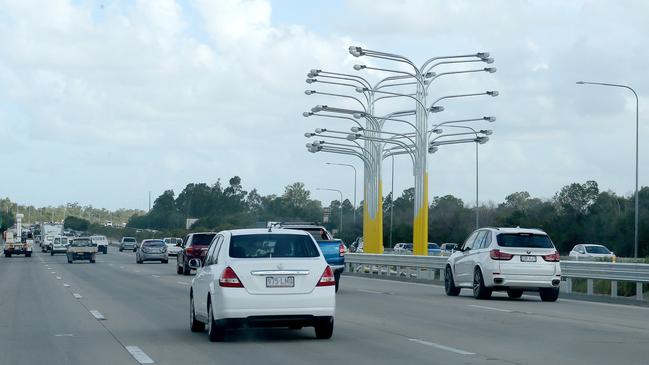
[
  {"x": 592, "y": 253},
  {"x": 259, "y": 277}
]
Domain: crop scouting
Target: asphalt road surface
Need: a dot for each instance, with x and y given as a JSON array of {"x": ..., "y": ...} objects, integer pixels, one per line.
[{"x": 118, "y": 312}]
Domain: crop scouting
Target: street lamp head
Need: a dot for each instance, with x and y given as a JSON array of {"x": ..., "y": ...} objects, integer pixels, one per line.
[
  {"x": 311, "y": 80},
  {"x": 315, "y": 71},
  {"x": 353, "y": 136},
  {"x": 356, "y": 51},
  {"x": 429, "y": 74},
  {"x": 492, "y": 93},
  {"x": 359, "y": 115},
  {"x": 318, "y": 108},
  {"x": 360, "y": 89},
  {"x": 432, "y": 149},
  {"x": 310, "y": 92},
  {"x": 309, "y": 135},
  {"x": 359, "y": 67},
  {"x": 486, "y": 132},
  {"x": 356, "y": 129},
  {"x": 482, "y": 55},
  {"x": 489, "y": 119},
  {"x": 438, "y": 131},
  {"x": 436, "y": 109},
  {"x": 320, "y": 130},
  {"x": 490, "y": 69},
  {"x": 311, "y": 75},
  {"x": 488, "y": 60},
  {"x": 482, "y": 140},
  {"x": 579, "y": 82},
  {"x": 307, "y": 114}
]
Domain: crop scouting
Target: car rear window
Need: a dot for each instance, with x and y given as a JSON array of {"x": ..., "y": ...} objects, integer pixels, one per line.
[
  {"x": 597, "y": 249},
  {"x": 81, "y": 243},
  {"x": 202, "y": 239},
  {"x": 433, "y": 246},
  {"x": 318, "y": 233},
  {"x": 524, "y": 240},
  {"x": 272, "y": 245},
  {"x": 153, "y": 243},
  {"x": 128, "y": 239}
]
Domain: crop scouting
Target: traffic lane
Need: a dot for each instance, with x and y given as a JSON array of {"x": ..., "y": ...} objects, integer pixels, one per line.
[
  {"x": 486, "y": 327},
  {"x": 152, "y": 313},
  {"x": 41, "y": 322}
]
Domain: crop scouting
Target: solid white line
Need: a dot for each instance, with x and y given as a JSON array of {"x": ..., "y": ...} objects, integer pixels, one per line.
[
  {"x": 53, "y": 272},
  {"x": 139, "y": 355},
  {"x": 63, "y": 335},
  {"x": 156, "y": 276},
  {"x": 441, "y": 347},
  {"x": 77, "y": 295},
  {"x": 97, "y": 314},
  {"x": 370, "y": 291},
  {"x": 66, "y": 285},
  {"x": 491, "y": 308}
]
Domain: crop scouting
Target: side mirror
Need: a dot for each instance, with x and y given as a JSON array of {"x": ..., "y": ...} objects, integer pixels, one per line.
[
  {"x": 195, "y": 264},
  {"x": 179, "y": 245}
]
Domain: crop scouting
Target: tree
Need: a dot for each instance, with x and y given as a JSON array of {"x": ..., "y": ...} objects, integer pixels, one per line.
[{"x": 75, "y": 223}]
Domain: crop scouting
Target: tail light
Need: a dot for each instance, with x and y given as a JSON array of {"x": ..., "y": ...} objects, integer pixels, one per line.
[
  {"x": 189, "y": 250},
  {"x": 553, "y": 257},
  {"x": 229, "y": 279},
  {"x": 341, "y": 249},
  {"x": 499, "y": 255},
  {"x": 327, "y": 278}
]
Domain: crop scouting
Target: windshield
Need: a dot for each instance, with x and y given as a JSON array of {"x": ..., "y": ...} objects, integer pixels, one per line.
[
  {"x": 82, "y": 242},
  {"x": 527, "y": 240},
  {"x": 202, "y": 239},
  {"x": 272, "y": 245},
  {"x": 597, "y": 249},
  {"x": 153, "y": 243}
]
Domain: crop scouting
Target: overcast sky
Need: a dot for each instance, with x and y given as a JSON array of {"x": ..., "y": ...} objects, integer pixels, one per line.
[{"x": 103, "y": 101}]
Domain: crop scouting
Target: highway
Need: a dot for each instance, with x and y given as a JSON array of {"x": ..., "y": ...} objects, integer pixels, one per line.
[{"x": 118, "y": 312}]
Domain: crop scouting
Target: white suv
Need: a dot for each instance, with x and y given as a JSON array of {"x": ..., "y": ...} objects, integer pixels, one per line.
[
  {"x": 505, "y": 259},
  {"x": 101, "y": 242},
  {"x": 255, "y": 277}
]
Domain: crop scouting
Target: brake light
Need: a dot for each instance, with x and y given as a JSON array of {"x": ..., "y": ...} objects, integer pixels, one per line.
[
  {"x": 553, "y": 257},
  {"x": 229, "y": 279},
  {"x": 327, "y": 278},
  {"x": 189, "y": 250},
  {"x": 499, "y": 255},
  {"x": 341, "y": 249}
]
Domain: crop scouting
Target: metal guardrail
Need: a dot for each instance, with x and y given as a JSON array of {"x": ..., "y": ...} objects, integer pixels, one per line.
[{"x": 431, "y": 267}]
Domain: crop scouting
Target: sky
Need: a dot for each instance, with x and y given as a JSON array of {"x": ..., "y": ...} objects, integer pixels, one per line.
[{"x": 104, "y": 101}]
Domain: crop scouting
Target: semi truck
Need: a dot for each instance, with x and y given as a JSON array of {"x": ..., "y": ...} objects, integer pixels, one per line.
[{"x": 15, "y": 243}]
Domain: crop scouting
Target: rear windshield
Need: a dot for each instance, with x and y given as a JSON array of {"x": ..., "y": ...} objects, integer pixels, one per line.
[
  {"x": 319, "y": 234},
  {"x": 203, "y": 239},
  {"x": 153, "y": 243},
  {"x": 433, "y": 246},
  {"x": 272, "y": 245},
  {"x": 597, "y": 249},
  {"x": 128, "y": 239},
  {"x": 449, "y": 246},
  {"x": 81, "y": 243},
  {"x": 524, "y": 240}
]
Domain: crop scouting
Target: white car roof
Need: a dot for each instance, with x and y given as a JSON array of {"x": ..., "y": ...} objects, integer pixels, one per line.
[
  {"x": 591, "y": 245},
  {"x": 519, "y": 230},
  {"x": 238, "y": 232}
]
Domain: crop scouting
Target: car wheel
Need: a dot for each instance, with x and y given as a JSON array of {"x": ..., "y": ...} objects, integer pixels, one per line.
[
  {"x": 28, "y": 254},
  {"x": 215, "y": 331},
  {"x": 514, "y": 293},
  {"x": 549, "y": 294},
  {"x": 92, "y": 261},
  {"x": 7, "y": 254},
  {"x": 52, "y": 253},
  {"x": 480, "y": 291},
  {"x": 105, "y": 250},
  {"x": 164, "y": 261},
  {"x": 121, "y": 249},
  {"x": 449, "y": 284},
  {"x": 325, "y": 328},
  {"x": 337, "y": 278},
  {"x": 186, "y": 270},
  {"x": 134, "y": 250},
  {"x": 179, "y": 270},
  {"x": 194, "y": 324}
]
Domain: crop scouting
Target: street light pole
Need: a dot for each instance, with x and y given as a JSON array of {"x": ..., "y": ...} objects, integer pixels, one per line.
[
  {"x": 635, "y": 240},
  {"x": 353, "y": 167},
  {"x": 341, "y": 204}
]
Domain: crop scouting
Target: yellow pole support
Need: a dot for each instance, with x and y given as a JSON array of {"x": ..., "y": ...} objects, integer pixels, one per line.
[
  {"x": 420, "y": 226},
  {"x": 373, "y": 227}
]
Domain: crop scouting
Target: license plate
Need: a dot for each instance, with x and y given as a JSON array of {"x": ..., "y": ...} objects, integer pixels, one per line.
[
  {"x": 528, "y": 258},
  {"x": 280, "y": 281}
]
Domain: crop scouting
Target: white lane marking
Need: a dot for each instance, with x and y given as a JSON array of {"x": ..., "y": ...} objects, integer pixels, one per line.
[
  {"x": 137, "y": 271},
  {"x": 370, "y": 291},
  {"x": 182, "y": 283},
  {"x": 53, "y": 272},
  {"x": 156, "y": 276},
  {"x": 64, "y": 335},
  {"x": 77, "y": 295},
  {"x": 441, "y": 347},
  {"x": 66, "y": 285},
  {"x": 139, "y": 355},
  {"x": 58, "y": 278},
  {"x": 95, "y": 313},
  {"x": 490, "y": 308}
]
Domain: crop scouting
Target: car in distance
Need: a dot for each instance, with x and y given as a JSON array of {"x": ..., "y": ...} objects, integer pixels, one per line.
[
  {"x": 591, "y": 252},
  {"x": 262, "y": 277},
  {"x": 194, "y": 247},
  {"x": 174, "y": 245},
  {"x": 152, "y": 250},
  {"x": 433, "y": 249},
  {"x": 81, "y": 249},
  {"x": 127, "y": 243},
  {"x": 505, "y": 259},
  {"x": 101, "y": 242},
  {"x": 59, "y": 245},
  {"x": 448, "y": 248},
  {"x": 403, "y": 248}
]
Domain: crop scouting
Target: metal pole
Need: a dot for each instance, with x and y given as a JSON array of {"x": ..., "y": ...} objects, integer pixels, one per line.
[
  {"x": 341, "y": 204},
  {"x": 392, "y": 202},
  {"x": 477, "y": 175},
  {"x": 149, "y": 200},
  {"x": 353, "y": 167}
]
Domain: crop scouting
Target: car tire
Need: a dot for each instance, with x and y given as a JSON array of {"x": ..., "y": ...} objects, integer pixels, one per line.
[
  {"x": 514, "y": 293},
  {"x": 105, "y": 250},
  {"x": 121, "y": 249},
  {"x": 194, "y": 324},
  {"x": 325, "y": 329},
  {"x": 52, "y": 253},
  {"x": 480, "y": 291},
  {"x": 28, "y": 254},
  {"x": 92, "y": 261},
  {"x": 549, "y": 294},
  {"x": 449, "y": 283},
  {"x": 164, "y": 261},
  {"x": 186, "y": 270},
  {"x": 179, "y": 270},
  {"x": 134, "y": 250},
  {"x": 215, "y": 331},
  {"x": 70, "y": 261},
  {"x": 7, "y": 254},
  {"x": 337, "y": 279}
]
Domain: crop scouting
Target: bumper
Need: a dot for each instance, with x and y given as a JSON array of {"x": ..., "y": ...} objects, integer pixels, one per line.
[
  {"x": 237, "y": 303},
  {"x": 173, "y": 253},
  {"x": 59, "y": 250},
  {"x": 525, "y": 281},
  {"x": 153, "y": 256},
  {"x": 80, "y": 256},
  {"x": 127, "y": 247}
]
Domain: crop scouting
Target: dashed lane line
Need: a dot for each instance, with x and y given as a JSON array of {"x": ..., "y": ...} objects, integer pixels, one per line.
[
  {"x": 77, "y": 295},
  {"x": 441, "y": 347},
  {"x": 491, "y": 308},
  {"x": 139, "y": 355},
  {"x": 95, "y": 313}
]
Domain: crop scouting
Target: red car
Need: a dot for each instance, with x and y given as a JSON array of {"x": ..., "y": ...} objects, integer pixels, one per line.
[{"x": 195, "y": 246}]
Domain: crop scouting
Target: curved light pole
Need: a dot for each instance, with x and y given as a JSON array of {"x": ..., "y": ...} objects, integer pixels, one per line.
[
  {"x": 635, "y": 240},
  {"x": 354, "y": 168},
  {"x": 341, "y": 204}
]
